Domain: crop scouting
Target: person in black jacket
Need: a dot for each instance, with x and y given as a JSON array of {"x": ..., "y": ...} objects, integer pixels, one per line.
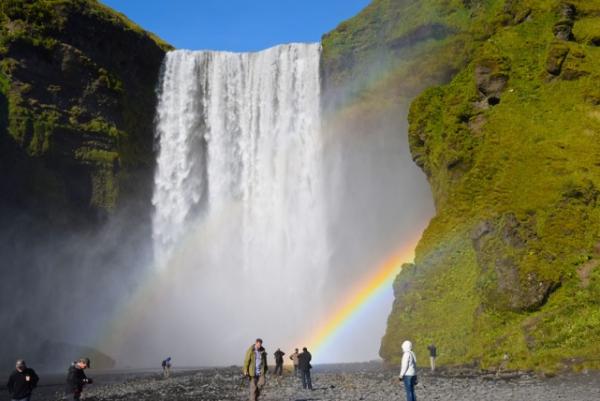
[
  {"x": 304, "y": 366},
  {"x": 76, "y": 379},
  {"x": 22, "y": 382},
  {"x": 432, "y": 355},
  {"x": 279, "y": 361}
]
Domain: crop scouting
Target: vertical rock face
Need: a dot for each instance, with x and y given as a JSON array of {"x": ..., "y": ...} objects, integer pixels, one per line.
[
  {"x": 77, "y": 105},
  {"x": 509, "y": 147}
]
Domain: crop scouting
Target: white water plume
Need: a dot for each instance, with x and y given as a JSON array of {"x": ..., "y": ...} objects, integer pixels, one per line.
[{"x": 239, "y": 202}]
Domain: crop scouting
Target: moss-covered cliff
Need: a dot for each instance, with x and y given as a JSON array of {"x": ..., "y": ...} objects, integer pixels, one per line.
[
  {"x": 77, "y": 100},
  {"x": 509, "y": 143}
]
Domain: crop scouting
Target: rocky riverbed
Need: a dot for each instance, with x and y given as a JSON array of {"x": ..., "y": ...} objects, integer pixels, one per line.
[{"x": 372, "y": 382}]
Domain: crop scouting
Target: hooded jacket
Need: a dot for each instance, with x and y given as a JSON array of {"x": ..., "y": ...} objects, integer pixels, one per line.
[
  {"x": 18, "y": 386},
  {"x": 409, "y": 360},
  {"x": 76, "y": 379},
  {"x": 250, "y": 362}
]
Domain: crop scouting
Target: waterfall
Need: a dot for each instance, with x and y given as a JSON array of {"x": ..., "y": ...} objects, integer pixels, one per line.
[{"x": 238, "y": 193}]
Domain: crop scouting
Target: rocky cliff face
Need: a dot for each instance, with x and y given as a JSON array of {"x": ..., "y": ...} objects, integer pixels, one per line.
[
  {"x": 506, "y": 273},
  {"x": 77, "y": 101}
]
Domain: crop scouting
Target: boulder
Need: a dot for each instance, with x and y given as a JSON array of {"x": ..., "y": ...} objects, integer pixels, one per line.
[
  {"x": 556, "y": 57},
  {"x": 491, "y": 78},
  {"x": 501, "y": 245},
  {"x": 563, "y": 29}
]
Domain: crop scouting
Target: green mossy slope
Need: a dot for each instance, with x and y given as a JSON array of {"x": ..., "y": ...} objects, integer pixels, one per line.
[
  {"x": 77, "y": 100},
  {"x": 506, "y": 274}
]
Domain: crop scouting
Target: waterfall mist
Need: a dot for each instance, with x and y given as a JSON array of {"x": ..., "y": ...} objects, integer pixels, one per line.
[
  {"x": 265, "y": 217},
  {"x": 239, "y": 228},
  {"x": 379, "y": 203},
  {"x": 63, "y": 284}
]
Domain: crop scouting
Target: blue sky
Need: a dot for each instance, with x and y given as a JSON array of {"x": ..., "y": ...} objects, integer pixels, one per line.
[{"x": 237, "y": 25}]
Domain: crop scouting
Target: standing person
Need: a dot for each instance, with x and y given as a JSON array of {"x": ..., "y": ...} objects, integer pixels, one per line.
[
  {"x": 432, "y": 355},
  {"x": 76, "y": 379},
  {"x": 255, "y": 368},
  {"x": 294, "y": 358},
  {"x": 22, "y": 382},
  {"x": 408, "y": 371},
  {"x": 304, "y": 366},
  {"x": 279, "y": 361},
  {"x": 166, "y": 365}
]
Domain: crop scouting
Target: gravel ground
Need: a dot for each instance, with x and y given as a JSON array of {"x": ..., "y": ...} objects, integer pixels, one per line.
[{"x": 348, "y": 382}]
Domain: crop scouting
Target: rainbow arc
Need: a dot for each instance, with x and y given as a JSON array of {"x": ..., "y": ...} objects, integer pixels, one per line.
[{"x": 380, "y": 280}]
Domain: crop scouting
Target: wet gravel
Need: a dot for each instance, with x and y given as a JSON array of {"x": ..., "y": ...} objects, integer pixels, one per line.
[{"x": 369, "y": 382}]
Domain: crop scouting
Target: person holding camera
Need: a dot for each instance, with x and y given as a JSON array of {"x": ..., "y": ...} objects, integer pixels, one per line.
[
  {"x": 22, "y": 382},
  {"x": 76, "y": 379},
  {"x": 279, "y": 362},
  {"x": 294, "y": 358},
  {"x": 304, "y": 366},
  {"x": 166, "y": 366}
]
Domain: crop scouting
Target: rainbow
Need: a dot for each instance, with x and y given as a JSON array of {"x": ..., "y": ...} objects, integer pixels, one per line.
[{"x": 379, "y": 281}]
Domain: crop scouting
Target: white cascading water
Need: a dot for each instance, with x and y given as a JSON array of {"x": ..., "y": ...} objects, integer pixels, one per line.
[{"x": 238, "y": 197}]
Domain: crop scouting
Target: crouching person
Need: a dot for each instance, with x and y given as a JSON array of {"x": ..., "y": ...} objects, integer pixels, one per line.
[
  {"x": 76, "y": 379},
  {"x": 255, "y": 368}
]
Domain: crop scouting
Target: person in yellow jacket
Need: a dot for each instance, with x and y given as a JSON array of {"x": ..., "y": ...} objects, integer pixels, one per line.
[{"x": 255, "y": 368}]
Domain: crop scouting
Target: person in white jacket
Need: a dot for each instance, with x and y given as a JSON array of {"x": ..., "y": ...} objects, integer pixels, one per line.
[{"x": 408, "y": 371}]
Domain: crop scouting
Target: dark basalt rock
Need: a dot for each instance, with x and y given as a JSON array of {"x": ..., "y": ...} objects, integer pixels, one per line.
[
  {"x": 515, "y": 12},
  {"x": 80, "y": 105},
  {"x": 556, "y": 57},
  {"x": 568, "y": 11},
  {"x": 501, "y": 246},
  {"x": 571, "y": 74},
  {"x": 563, "y": 29},
  {"x": 491, "y": 78}
]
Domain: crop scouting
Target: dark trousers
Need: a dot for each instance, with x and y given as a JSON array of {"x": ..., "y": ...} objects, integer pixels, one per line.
[
  {"x": 409, "y": 385},
  {"x": 256, "y": 385},
  {"x": 306, "y": 381},
  {"x": 279, "y": 368}
]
